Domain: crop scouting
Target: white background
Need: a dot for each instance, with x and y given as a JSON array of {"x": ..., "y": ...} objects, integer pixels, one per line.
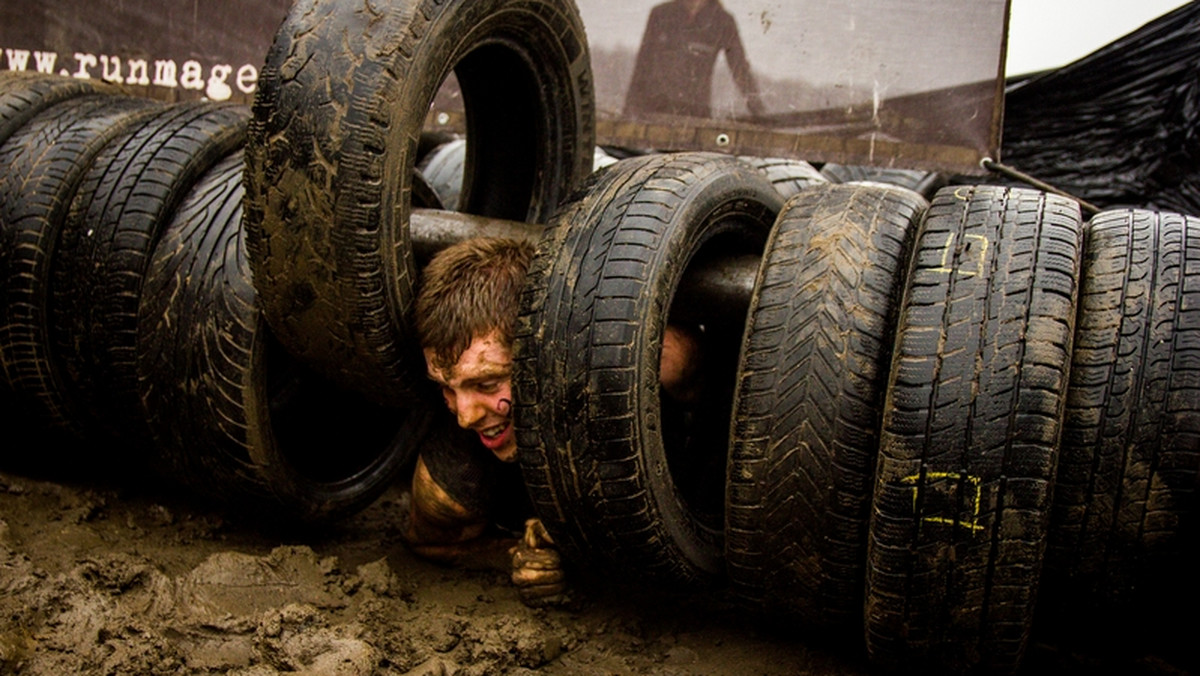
[{"x": 1046, "y": 34}]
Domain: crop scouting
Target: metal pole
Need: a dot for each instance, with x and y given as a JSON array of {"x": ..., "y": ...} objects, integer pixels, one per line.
[{"x": 709, "y": 291}]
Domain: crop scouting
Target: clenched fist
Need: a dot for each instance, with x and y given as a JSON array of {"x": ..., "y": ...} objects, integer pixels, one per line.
[{"x": 537, "y": 568}]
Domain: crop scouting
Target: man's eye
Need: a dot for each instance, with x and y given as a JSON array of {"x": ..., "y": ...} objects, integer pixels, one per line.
[{"x": 489, "y": 386}]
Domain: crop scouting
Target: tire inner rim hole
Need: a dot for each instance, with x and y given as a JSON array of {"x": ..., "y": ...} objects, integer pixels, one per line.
[
  {"x": 506, "y": 139},
  {"x": 696, "y": 432},
  {"x": 327, "y": 434}
]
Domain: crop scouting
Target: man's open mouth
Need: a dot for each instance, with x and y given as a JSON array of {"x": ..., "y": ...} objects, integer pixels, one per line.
[{"x": 496, "y": 436}]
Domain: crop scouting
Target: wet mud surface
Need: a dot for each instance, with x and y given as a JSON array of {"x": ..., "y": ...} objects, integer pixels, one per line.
[{"x": 97, "y": 577}]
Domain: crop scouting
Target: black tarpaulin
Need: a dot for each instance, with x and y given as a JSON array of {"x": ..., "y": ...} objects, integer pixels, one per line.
[{"x": 1118, "y": 127}]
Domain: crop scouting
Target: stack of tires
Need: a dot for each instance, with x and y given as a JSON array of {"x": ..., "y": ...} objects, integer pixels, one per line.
[
  {"x": 930, "y": 407},
  {"x": 129, "y": 325},
  {"x": 937, "y": 405}
]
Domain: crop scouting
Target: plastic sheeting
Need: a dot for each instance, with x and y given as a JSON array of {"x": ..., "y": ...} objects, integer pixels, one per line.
[{"x": 1120, "y": 127}]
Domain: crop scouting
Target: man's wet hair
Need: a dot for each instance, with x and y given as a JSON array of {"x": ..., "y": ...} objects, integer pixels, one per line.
[{"x": 468, "y": 290}]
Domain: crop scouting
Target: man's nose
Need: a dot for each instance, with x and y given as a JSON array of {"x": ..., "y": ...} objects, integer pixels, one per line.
[{"x": 470, "y": 408}]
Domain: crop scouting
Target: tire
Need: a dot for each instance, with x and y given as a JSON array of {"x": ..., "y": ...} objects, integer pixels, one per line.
[
  {"x": 234, "y": 417},
  {"x": 124, "y": 201},
  {"x": 431, "y": 141},
  {"x": 789, "y": 177},
  {"x": 927, "y": 183},
  {"x": 423, "y": 194},
  {"x": 591, "y": 426},
  {"x": 45, "y": 162},
  {"x": 971, "y": 430},
  {"x": 808, "y": 404},
  {"x": 337, "y": 120},
  {"x": 443, "y": 168},
  {"x": 25, "y": 94},
  {"x": 1124, "y": 519}
]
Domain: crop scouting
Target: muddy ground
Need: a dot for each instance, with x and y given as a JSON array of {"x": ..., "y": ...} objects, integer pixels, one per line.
[{"x": 101, "y": 577}]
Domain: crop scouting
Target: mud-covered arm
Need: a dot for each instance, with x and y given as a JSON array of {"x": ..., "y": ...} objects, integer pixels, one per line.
[{"x": 441, "y": 529}]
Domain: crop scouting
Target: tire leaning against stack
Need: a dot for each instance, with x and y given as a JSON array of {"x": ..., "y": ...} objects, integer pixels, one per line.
[
  {"x": 789, "y": 177},
  {"x": 123, "y": 203},
  {"x": 233, "y": 416},
  {"x": 442, "y": 168},
  {"x": 44, "y": 162},
  {"x": 809, "y": 398},
  {"x": 1125, "y": 510},
  {"x": 971, "y": 431},
  {"x": 927, "y": 183},
  {"x": 342, "y": 100},
  {"x": 590, "y": 419}
]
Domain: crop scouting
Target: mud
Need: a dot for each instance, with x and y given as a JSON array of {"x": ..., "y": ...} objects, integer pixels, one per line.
[{"x": 107, "y": 579}]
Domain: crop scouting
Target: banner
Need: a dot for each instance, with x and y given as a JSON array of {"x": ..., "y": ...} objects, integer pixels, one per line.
[
  {"x": 904, "y": 83},
  {"x": 165, "y": 49}
]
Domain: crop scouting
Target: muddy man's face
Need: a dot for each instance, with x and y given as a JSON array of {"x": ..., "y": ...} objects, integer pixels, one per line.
[{"x": 478, "y": 391}]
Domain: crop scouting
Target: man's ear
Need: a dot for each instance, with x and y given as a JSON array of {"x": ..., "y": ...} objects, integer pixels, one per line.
[{"x": 431, "y": 367}]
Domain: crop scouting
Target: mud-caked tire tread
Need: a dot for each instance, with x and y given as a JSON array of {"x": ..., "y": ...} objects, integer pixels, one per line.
[
  {"x": 215, "y": 386},
  {"x": 971, "y": 430},
  {"x": 808, "y": 405},
  {"x": 1124, "y": 519}
]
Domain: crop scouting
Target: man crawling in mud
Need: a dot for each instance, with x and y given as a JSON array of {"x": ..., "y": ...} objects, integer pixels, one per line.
[{"x": 468, "y": 505}]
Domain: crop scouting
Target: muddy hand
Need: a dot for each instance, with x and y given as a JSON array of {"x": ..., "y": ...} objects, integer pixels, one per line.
[
  {"x": 537, "y": 567},
  {"x": 536, "y": 536}
]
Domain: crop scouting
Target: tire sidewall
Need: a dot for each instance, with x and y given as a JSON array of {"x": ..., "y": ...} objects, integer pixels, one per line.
[
  {"x": 597, "y": 470},
  {"x": 515, "y": 24},
  {"x": 727, "y": 207}
]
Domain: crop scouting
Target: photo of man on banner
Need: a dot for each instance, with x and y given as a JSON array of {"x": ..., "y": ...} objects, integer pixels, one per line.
[{"x": 673, "y": 73}]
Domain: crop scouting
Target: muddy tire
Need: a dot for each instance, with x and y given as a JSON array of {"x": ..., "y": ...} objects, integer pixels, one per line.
[
  {"x": 233, "y": 416},
  {"x": 788, "y": 176},
  {"x": 590, "y": 418},
  {"x": 809, "y": 399},
  {"x": 123, "y": 203},
  {"x": 1124, "y": 520},
  {"x": 971, "y": 431},
  {"x": 926, "y": 183},
  {"x": 44, "y": 163},
  {"x": 337, "y": 122},
  {"x": 25, "y": 94}
]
